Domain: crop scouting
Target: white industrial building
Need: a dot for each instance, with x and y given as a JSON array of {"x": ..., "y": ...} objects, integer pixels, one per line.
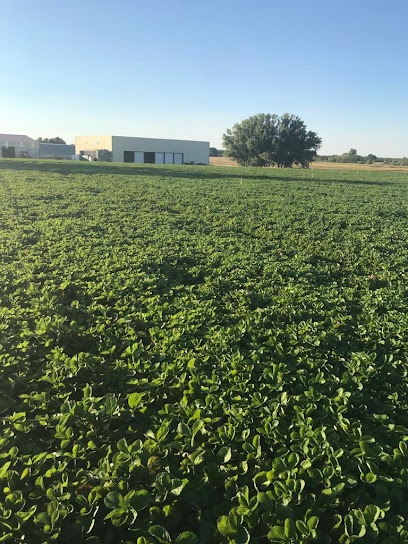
[
  {"x": 144, "y": 150},
  {"x": 18, "y": 146}
]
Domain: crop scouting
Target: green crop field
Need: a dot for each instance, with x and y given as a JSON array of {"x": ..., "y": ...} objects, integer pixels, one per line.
[{"x": 202, "y": 355}]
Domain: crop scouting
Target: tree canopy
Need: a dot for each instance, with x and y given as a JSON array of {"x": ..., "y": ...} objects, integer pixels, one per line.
[
  {"x": 214, "y": 152},
  {"x": 56, "y": 140},
  {"x": 268, "y": 140}
]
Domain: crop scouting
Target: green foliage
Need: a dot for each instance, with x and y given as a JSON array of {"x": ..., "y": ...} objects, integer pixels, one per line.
[
  {"x": 56, "y": 140},
  {"x": 267, "y": 140},
  {"x": 198, "y": 356},
  {"x": 352, "y": 157},
  {"x": 214, "y": 152}
]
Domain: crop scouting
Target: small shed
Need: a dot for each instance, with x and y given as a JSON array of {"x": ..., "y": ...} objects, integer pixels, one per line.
[{"x": 18, "y": 146}]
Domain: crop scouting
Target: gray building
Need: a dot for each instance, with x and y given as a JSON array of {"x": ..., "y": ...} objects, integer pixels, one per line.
[
  {"x": 56, "y": 151},
  {"x": 18, "y": 146}
]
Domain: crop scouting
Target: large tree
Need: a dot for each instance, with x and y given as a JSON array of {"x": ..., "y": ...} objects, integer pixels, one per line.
[{"x": 268, "y": 140}]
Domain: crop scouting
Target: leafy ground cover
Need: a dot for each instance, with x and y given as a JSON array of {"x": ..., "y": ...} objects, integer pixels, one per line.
[{"x": 202, "y": 355}]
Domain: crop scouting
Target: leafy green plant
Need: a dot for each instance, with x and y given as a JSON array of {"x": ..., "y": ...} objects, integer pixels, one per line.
[{"x": 196, "y": 356}]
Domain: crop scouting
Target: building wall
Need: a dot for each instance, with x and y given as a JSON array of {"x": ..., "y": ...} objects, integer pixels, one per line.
[
  {"x": 83, "y": 143},
  {"x": 32, "y": 149},
  {"x": 193, "y": 151},
  {"x": 56, "y": 151}
]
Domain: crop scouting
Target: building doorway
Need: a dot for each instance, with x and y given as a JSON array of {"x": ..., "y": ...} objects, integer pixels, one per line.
[
  {"x": 8, "y": 152},
  {"x": 128, "y": 156},
  {"x": 149, "y": 157}
]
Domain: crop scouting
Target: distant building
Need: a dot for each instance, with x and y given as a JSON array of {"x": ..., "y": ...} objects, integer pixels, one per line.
[
  {"x": 18, "y": 146},
  {"x": 56, "y": 151},
  {"x": 143, "y": 150}
]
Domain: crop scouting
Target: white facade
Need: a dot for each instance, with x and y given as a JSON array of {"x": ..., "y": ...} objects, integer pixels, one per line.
[
  {"x": 18, "y": 146},
  {"x": 147, "y": 150}
]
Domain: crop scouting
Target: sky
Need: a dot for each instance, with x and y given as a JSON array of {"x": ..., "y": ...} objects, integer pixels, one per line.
[{"x": 191, "y": 69}]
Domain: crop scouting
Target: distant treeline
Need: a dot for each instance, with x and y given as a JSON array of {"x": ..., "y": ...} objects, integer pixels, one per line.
[
  {"x": 353, "y": 157},
  {"x": 214, "y": 152}
]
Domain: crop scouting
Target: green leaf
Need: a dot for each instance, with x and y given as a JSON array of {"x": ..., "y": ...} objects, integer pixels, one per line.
[
  {"x": 4, "y": 469},
  {"x": 113, "y": 500},
  {"x": 160, "y": 533},
  {"x": 277, "y": 534},
  {"x": 134, "y": 399},
  {"x": 302, "y": 528},
  {"x": 42, "y": 519},
  {"x": 242, "y": 536},
  {"x": 374, "y": 528},
  {"x": 140, "y": 499},
  {"x": 198, "y": 425},
  {"x": 177, "y": 486},
  {"x": 118, "y": 516},
  {"x": 187, "y": 538},
  {"x": 290, "y": 528},
  {"x": 371, "y": 513},
  {"x": 365, "y": 447},
  {"x": 261, "y": 480},
  {"x": 361, "y": 531},
  {"x": 315, "y": 473},
  {"x": 225, "y": 454},
  {"x": 111, "y": 405},
  {"x": 266, "y": 500},
  {"x": 349, "y": 525},
  {"x": 122, "y": 445},
  {"x": 293, "y": 460},
  {"x": 313, "y": 522},
  {"x": 225, "y": 527},
  {"x": 183, "y": 429},
  {"x": 370, "y": 478}
]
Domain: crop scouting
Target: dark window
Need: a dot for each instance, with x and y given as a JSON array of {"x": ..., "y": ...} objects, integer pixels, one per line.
[
  {"x": 149, "y": 157},
  {"x": 129, "y": 156},
  {"x": 8, "y": 152}
]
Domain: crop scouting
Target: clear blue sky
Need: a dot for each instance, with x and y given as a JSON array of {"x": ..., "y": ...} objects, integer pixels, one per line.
[{"x": 191, "y": 69}]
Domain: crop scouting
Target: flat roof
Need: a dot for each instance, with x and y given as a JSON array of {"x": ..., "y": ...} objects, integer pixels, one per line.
[{"x": 142, "y": 138}]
